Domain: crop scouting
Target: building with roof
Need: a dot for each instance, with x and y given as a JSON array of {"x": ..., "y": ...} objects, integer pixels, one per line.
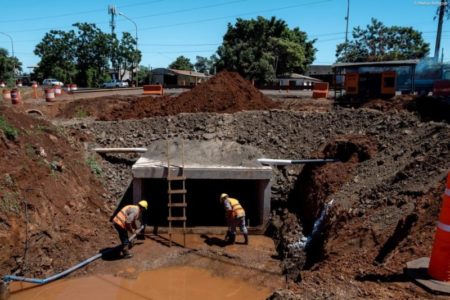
[
  {"x": 177, "y": 78},
  {"x": 296, "y": 81},
  {"x": 370, "y": 79}
]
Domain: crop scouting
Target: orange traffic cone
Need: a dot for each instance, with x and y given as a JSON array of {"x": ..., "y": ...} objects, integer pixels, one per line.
[{"x": 439, "y": 267}]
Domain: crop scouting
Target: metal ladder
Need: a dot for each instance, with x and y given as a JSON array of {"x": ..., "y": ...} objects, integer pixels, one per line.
[{"x": 176, "y": 195}]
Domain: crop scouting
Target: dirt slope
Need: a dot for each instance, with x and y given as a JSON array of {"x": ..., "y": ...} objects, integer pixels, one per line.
[{"x": 48, "y": 199}]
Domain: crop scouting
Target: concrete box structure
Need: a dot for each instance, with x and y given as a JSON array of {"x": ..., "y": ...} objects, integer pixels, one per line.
[{"x": 211, "y": 168}]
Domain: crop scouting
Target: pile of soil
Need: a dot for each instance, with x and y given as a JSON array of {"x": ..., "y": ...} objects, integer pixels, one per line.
[
  {"x": 53, "y": 211},
  {"x": 226, "y": 92}
]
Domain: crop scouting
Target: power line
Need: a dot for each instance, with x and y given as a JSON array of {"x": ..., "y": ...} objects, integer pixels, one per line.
[
  {"x": 234, "y": 16},
  {"x": 73, "y": 13},
  {"x": 189, "y": 9}
]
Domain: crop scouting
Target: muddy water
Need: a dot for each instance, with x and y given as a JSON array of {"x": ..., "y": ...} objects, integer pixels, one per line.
[{"x": 167, "y": 283}]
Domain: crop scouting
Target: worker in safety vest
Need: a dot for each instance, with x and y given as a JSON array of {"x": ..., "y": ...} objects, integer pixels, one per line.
[
  {"x": 125, "y": 221},
  {"x": 235, "y": 216}
]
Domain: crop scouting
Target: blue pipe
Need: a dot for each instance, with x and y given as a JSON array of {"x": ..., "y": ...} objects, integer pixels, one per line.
[{"x": 8, "y": 278}]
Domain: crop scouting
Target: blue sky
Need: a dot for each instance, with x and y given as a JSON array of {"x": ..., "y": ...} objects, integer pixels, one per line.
[{"x": 169, "y": 28}]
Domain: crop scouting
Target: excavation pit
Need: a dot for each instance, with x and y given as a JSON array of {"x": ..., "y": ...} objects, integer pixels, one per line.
[{"x": 211, "y": 168}]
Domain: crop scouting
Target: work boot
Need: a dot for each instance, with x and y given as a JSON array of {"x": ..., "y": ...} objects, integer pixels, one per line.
[
  {"x": 126, "y": 253},
  {"x": 227, "y": 236},
  {"x": 231, "y": 239},
  {"x": 246, "y": 238}
]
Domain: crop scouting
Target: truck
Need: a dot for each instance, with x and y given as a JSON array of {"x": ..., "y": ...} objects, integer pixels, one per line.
[{"x": 115, "y": 84}]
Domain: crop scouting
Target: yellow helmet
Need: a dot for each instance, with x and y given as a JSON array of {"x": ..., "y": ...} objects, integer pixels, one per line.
[
  {"x": 143, "y": 204},
  {"x": 223, "y": 197}
]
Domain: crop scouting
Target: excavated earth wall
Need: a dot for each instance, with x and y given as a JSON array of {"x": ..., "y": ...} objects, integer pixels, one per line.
[{"x": 411, "y": 155}]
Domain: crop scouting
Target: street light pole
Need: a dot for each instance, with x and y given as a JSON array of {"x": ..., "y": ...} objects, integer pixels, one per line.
[
  {"x": 12, "y": 52},
  {"x": 136, "y": 36}
]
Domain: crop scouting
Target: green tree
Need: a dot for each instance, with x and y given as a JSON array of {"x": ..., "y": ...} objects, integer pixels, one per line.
[
  {"x": 144, "y": 75},
  {"x": 57, "y": 53},
  {"x": 182, "y": 63},
  {"x": 380, "y": 43},
  {"x": 83, "y": 55},
  {"x": 204, "y": 64},
  {"x": 263, "y": 48},
  {"x": 92, "y": 50},
  {"x": 127, "y": 57},
  {"x": 7, "y": 64}
]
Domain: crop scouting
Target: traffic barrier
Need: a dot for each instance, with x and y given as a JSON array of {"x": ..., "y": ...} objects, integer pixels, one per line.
[
  {"x": 153, "y": 89},
  {"x": 6, "y": 94},
  {"x": 15, "y": 96},
  {"x": 57, "y": 90},
  {"x": 439, "y": 267},
  {"x": 34, "y": 85},
  {"x": 320, "y": 90},
  {"x": 73, "y": 87},
  {"x": 49, "y": 95}
]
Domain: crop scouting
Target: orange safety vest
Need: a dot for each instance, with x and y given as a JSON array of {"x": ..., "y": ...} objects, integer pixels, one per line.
[
  {"x": 238, "y": 211},
  {"x": 121, "y": 217}
]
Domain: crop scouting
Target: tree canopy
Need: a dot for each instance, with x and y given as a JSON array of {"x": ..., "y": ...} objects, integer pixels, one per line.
[
  {"x": 263, "y": 48},
  {"x": 204, "y": 64},
  {"x": 7, "y": 65},
  {"x": 82, "y": 55},
  {"x": 378, "y": 42},
  {"x": 182, "y": 63}
]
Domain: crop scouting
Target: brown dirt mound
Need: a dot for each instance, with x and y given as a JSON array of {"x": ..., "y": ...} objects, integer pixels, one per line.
[
  {"x": 226, "y": 92},
  {"x": 48, "y": 199}
]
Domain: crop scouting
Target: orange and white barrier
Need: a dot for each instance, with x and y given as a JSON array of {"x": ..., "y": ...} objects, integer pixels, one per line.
[
  {"x": 439, "y": 267},
  {"x": 34, "y": 85},
  {"x": 153, "y": 89},
  {"x": 320, "y": 90},
  {"x": 72, "y": 87},
  {"x": 15, "y": 96},
  {"x": 57, "y": 90},
  {"x": 6, "y": 94},
  {"x": 49, "y": 95}
]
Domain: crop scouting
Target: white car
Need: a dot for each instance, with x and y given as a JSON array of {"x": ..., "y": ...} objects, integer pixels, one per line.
[
  {"x": 115, "y": 84},
  {"x": 51, "y": 82}
]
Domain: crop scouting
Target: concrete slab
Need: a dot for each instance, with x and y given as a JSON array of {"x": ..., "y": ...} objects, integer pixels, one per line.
[
  {"x": 417, "y": 270},
  {"x": 202, "y": 160}
]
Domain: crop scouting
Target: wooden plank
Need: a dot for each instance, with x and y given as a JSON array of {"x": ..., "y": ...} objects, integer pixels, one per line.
[
  {"x": 176, "y": 219},
  {"x": 174, "y": 178},
  {"x": 177, "y": 204},
  {"x": 176, "y": 191}
]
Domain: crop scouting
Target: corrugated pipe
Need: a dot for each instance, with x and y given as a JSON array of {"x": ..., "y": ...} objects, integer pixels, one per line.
[
  {"x": 283, "y": 162},
  {"x": 6, "y": 279}
]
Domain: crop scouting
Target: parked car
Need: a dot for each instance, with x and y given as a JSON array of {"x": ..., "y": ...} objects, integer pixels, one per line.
[
  {"x": 115, "y": 84},
  {"x": 52, "y": 82}
]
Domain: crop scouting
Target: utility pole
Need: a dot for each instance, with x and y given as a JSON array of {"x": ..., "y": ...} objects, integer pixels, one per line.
[
  {"x": 437, "y": 47},
  {"x": 346, "y": 25},
  {"x": 112, "y": 23}
]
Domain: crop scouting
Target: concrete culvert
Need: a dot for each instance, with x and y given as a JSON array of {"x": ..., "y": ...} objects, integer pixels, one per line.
[{"x": 211, "y": 168}]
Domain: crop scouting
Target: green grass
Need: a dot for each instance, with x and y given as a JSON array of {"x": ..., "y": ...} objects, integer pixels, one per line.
[
  {"x": 94, "y": 166},
  {"x": 80, "y": 113},
  {"x": 10, "y": 131}
]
